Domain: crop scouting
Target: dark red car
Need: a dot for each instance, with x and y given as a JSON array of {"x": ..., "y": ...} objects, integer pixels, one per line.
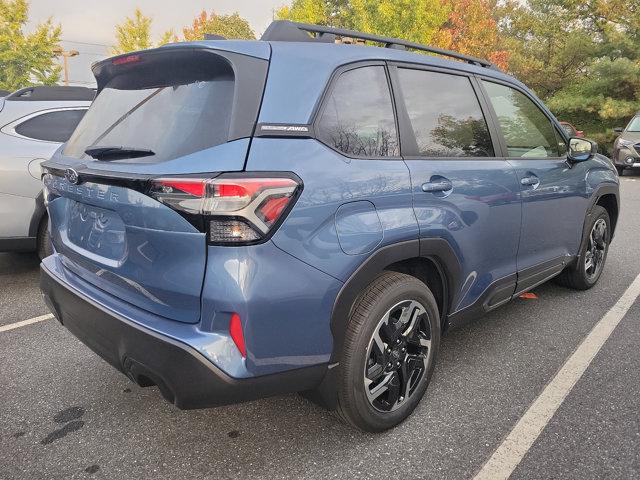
[{"x": 571, "y": 130}]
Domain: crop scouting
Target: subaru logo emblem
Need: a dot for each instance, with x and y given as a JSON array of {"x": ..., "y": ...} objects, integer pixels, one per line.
[{"x": 72, "y": 176}]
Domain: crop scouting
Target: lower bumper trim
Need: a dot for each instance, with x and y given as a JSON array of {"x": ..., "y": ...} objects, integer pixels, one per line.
[{"x": 183, "y": 376}]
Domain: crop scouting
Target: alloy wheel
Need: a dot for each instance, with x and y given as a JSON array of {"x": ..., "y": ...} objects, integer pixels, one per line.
[
  {"x": 398, "y": 356},
  {"x": 596, "y": 249}
]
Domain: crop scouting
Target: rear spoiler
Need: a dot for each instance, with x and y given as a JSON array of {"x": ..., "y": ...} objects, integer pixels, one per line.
[
  {"x": 233, "y": 51},
  {"x": 186, "y": 63}
]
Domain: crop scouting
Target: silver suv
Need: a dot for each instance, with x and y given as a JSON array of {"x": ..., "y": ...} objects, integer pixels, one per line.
[
  {"x": 34, "y": 122},
  {"x": 626, "y": 148}
]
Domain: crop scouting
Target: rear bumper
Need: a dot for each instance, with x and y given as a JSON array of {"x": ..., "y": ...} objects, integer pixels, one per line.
[{"x": 184, "y": 377}]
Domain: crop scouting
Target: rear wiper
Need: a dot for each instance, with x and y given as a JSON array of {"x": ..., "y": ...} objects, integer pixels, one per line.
[{"x": 115, "y": 153}]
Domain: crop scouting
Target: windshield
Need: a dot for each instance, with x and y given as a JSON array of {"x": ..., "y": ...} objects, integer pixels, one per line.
[
  {"x": 634, "y": 125},
  {"x": 171, "y": 121}
]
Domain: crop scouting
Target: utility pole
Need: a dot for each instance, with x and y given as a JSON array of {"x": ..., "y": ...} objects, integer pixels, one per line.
[{"x": 65, "y": 54}]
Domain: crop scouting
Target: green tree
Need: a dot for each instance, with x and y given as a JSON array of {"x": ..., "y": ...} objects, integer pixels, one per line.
[
  {"x": 167, "y": 37},
  {"x": 135, "y": 34},
  {"x": 26, "y": 59},
  {"x": 546, "y": 52},
  {"x": 229, "y": 26},
  {"x": 463, "y": 25},
  {"x": 581, "y": 57},
  {"x": 335, "y": 13},
  {"x": 414, "y": 20}
]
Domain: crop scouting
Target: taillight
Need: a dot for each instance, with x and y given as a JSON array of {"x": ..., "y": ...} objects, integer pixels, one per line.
[{"x": 235, "y": 210}]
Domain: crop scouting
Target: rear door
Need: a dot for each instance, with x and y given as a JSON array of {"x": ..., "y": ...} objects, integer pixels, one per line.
[
  {"x": 165, "y": 112},
  {"x": 463, "y": 192},
  {"x": 554, "y": 199}
]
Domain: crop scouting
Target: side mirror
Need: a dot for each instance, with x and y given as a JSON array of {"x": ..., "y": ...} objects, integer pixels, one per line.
[
  {"x": 581, "y": 150},
  {"x": 618, "y": 130}
]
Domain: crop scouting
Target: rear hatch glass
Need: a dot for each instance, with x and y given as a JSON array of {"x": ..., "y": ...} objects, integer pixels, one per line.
[
  {"x": 164, "y": 116},
  {"x": 169, "y": 111}
]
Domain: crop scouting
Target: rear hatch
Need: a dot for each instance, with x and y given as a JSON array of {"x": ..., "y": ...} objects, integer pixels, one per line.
[{"x": 188, "y": 109}]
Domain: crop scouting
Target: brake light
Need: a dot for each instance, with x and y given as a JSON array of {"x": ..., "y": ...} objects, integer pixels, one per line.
[
  {"x": 127, "y": 59},
  {"x": 235, "y": 210},
  {"x": 193, "y": 187},
  {"x": 237, "y": 335}
]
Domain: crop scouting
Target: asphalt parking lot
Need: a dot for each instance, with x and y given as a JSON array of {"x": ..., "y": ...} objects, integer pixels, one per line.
[{"x": 65, "y": 413}]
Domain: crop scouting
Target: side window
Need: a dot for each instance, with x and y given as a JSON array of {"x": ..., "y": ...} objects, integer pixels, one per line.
[
  {"x": 562, "y": 145},
  {"x": 52, "y": 126},
  {"x": 358, "y": 118},
  {"x": 527, "y": 131},
  {"x": 445, "y": 114}
]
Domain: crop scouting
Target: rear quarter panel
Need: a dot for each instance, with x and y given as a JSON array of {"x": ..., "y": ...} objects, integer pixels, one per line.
[{"x": 332, "y": 182}]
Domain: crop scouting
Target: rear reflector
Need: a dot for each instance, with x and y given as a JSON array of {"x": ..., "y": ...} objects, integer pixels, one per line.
[
  {"x": 235, "y": 329},
  {"x": 234, "y": 210}
]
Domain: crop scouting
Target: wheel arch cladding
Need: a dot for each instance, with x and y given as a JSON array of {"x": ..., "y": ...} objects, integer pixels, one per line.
[
  {"x": 437, "y": 267},
  {"x": 429, "y": 271},
  {"x": 609, "y": 202},
  {"x": 430, "y": 266}
]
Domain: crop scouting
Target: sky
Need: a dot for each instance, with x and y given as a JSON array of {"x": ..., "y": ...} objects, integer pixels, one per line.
[{"x": 89, "y": 25}]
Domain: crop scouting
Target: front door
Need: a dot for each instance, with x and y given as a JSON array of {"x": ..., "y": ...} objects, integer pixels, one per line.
[{"x": 553, "y": 199}]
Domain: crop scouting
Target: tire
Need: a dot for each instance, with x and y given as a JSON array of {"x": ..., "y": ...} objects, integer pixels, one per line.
[
  {"x": 620, "y": 170},
  {"x": 44, "y": 240},
  {"x": 389, "y": 291},
  {"x": 578, "y": 276}
]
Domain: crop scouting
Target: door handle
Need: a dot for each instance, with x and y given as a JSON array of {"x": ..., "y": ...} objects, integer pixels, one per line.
[
  {"x": 442, "y": 185},
  {"x": 530, "y": 181}
]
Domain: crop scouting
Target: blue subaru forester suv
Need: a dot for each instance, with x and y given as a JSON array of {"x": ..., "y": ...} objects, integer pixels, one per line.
[{"x": 237, "y": 219}]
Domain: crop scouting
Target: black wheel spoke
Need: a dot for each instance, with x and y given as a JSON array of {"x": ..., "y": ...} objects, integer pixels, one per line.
[
  {"x": 418, "y": 336},
  {"x": 412, "y": 368},
  {"x": 393, "y": 390},
  {"x": 390, "y": 332}
]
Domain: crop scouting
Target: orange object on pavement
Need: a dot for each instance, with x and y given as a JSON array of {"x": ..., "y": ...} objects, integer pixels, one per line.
[{"x": 528, "y": 296}]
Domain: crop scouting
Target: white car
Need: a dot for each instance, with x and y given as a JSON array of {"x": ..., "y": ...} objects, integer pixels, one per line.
[{"x": 34, "y": 122}]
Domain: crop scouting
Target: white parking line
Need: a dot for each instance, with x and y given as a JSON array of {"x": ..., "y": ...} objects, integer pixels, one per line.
[
  {"x": 24, "y": 323},
  {"x": 509, "y": 454}
]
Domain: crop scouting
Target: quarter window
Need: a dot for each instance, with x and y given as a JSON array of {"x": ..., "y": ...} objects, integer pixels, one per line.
[
  {"x": 445, "y": 114},
  {"x": 52, "y": 126},
  {"x": 527, "y": 131},
  {"x": 358, "y": 118}
]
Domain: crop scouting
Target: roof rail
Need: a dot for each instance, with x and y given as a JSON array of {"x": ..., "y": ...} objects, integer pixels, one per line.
[
  {"x": 52, "y": 93},
  {"x": 213, "y": 36},
  {"x": 287, "y": 31}
]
